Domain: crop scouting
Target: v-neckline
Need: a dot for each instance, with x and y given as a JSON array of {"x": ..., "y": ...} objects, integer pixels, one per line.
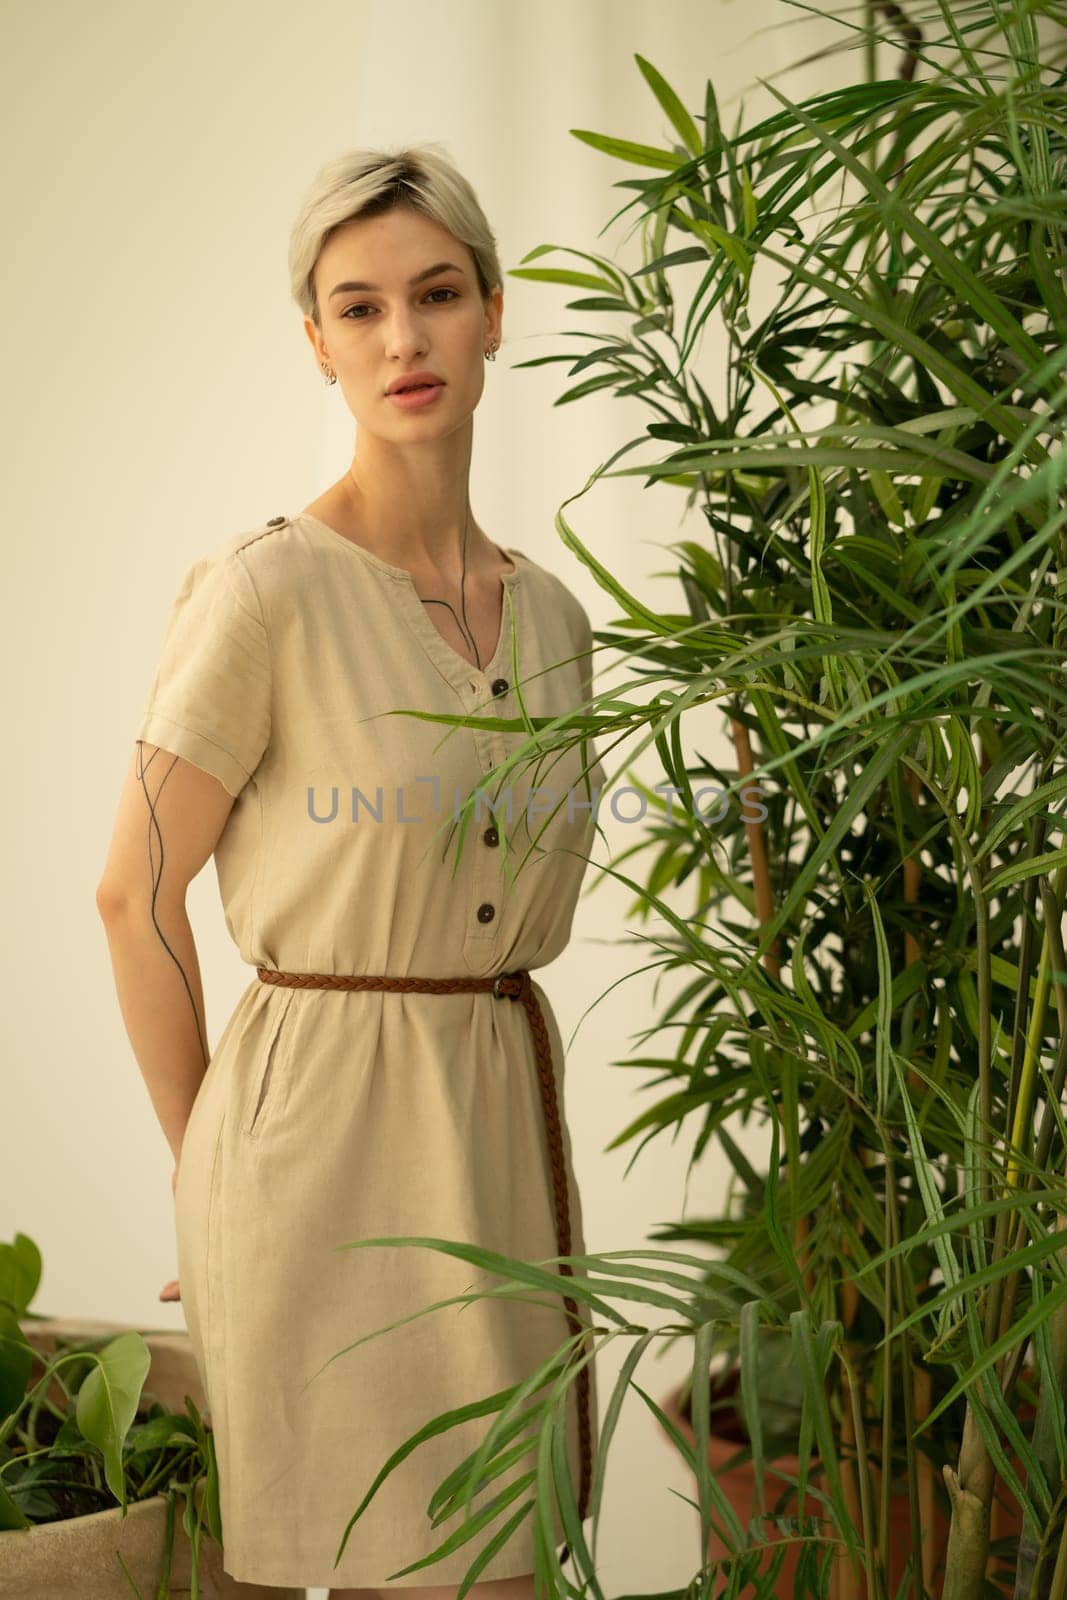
[{"x": 450, "y": 662}]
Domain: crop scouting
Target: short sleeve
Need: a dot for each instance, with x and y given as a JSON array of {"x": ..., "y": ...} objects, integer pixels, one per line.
[{"x": 210, "y": 701}]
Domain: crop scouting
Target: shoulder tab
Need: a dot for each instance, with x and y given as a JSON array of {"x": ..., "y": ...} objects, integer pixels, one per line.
[{"x": 244, "y": 541}]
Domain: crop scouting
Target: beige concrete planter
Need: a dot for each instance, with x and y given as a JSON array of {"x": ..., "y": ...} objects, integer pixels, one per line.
[
  {"x": 77, "y": 1558},
  {"x": 172, "y": 1375}
]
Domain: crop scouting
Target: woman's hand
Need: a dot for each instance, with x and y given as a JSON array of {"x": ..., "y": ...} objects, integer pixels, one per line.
[{"x": 171, "y": 1291}]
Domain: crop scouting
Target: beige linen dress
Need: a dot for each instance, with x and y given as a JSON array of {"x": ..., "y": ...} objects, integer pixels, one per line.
[{"x": 328, "y": 1116}]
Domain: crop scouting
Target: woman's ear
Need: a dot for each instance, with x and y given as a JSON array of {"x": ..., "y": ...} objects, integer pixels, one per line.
[{"x": 321, "y": 353}]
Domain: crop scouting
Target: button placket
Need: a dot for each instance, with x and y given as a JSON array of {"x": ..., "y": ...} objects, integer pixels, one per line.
[
  {"x": 482, "y": 692},
  {"x": 487, "y": 871}
]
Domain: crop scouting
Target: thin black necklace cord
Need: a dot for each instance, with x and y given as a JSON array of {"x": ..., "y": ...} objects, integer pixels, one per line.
[
  {"x": 462, "y": 599},
  {"x": 463, "y": 626}
]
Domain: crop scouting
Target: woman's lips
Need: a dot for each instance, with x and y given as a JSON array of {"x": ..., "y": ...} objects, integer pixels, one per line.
[{"x": 415, "y": 399}]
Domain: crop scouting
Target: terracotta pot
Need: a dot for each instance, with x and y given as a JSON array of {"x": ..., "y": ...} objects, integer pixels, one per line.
[
  {"x": 738, "y": 1483},
  {"x": 76, "y": 1558}
]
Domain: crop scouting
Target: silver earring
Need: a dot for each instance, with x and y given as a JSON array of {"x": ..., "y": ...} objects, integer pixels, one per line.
[
  {"x": 331, "y": 377},
  {"x": 490, "y": 354}
]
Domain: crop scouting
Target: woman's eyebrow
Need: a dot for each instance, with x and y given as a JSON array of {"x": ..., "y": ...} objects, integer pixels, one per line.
[{"x": 429, "y": 272}]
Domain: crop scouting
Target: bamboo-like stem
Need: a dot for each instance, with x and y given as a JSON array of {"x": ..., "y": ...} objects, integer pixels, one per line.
[
  {"x": 1012, "y": 1223},
  {"x": 923, "y": 1386},
  {"x": 1051, "y": 1394},
  {"x": 757, "y": 851},
  {"x": 842, "y": 1583},
  {"x": 968, "y": 1534},
  {"x": 1044, "y": 1445},
  {"x": 866, "y": 1522},
  {"x": 975, "y": 1480},
  {"x": 971, "y": 1485}
]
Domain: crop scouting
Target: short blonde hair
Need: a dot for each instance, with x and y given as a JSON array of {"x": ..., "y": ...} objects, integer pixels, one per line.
[{"x": 367, "y": 183}]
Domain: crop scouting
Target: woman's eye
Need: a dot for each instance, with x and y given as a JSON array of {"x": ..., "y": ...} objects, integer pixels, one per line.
[{"x": 363, "y": 306}]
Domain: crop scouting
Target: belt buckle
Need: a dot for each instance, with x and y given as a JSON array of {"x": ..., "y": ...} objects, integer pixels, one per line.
[{"x": 500, "y": 993}]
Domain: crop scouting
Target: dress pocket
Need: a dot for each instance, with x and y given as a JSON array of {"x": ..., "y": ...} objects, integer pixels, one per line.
[{"x": 267, "y": 1087}]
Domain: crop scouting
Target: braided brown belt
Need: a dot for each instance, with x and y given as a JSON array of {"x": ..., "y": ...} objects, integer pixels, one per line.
[{"x": 514, "y": 986}]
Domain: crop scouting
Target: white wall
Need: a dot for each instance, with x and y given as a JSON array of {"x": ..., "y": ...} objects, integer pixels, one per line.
[{"x": 160, "y": 395}]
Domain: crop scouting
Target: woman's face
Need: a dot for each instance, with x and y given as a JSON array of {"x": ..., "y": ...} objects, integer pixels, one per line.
[{"x": 371, "y": 335}]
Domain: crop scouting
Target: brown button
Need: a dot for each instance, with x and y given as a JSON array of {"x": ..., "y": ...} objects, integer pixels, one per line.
[
  {"x": 486, "y": 912},
  {"x": 276, "y": 522},
  {"x": 491, "y": 836},
  {"x": 499, "y": 686}
]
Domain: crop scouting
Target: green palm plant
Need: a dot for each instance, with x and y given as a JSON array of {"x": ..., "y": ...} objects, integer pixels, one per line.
[{"x": 874, "y": 966}]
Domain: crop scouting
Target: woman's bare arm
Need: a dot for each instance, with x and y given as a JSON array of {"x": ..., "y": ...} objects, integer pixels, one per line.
[{"x": 169, "y": 820}]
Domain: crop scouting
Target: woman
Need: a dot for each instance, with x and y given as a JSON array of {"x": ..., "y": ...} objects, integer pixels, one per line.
[{"x": 330, "y": 1114}]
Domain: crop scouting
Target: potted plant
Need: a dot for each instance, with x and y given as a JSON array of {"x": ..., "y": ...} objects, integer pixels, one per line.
[
  {"x": 108, "y": 1478},
  {"x": 873, "y": 965}
]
